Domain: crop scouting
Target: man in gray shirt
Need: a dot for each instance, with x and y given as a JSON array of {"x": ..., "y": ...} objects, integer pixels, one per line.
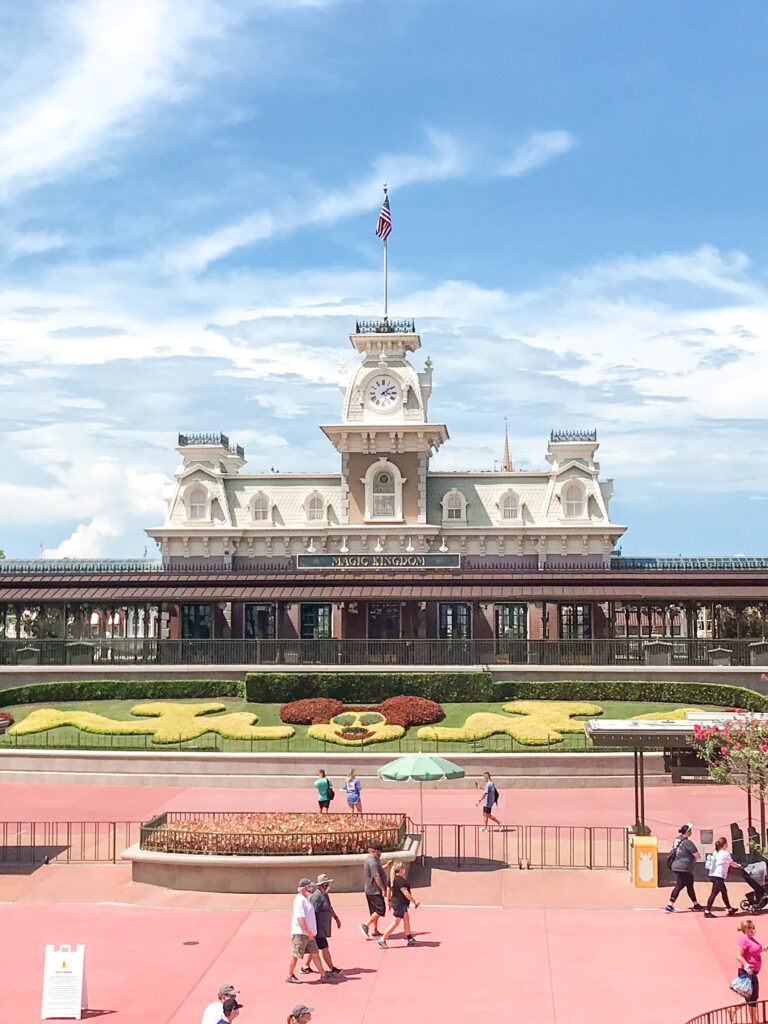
[{"x": 375, "y": 887}]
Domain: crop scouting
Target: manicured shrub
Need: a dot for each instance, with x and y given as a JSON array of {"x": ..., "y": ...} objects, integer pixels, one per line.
[
  {"x": 371, "y": 687},
  {"x": 311, "y": 710},
  {"x": 719, "y": 694},
  {"x": 407, "y": 711},
  {"x": 122, "y": 689},
  {"x": 533, "y": 723}
]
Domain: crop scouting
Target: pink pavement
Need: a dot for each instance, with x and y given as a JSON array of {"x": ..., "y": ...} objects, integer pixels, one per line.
[{"x": 667, "y": 807}]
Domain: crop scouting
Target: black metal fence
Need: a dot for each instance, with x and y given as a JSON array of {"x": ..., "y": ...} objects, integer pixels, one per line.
[
  {"x": 65, "y": 842},
  {"x": 738, "y": 1013},
  {"x": 527, "y": 846},
  {"x": 626, "y": 651}
]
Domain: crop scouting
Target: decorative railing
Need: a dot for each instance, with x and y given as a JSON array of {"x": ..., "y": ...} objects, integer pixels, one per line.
[
  {"x": 270, "y": 834},
  {"x": 65, "y": 842},
  {"x": 738, "y": 1013},
  {"x": 57, "y": 566},
  {"x": 558, "y": 436},
  {"x": 736, "y": 564},
  {"x": 630, "y": 651},
  {"x": 385, "y": 326},
  {"x": 219, "y": 440}
]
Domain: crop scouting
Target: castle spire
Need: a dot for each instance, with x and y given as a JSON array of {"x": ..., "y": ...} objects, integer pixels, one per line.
[{"x": 506, "y": 464}]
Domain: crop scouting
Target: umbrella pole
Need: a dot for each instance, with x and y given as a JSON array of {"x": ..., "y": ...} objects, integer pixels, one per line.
[{"x": 421, "y": 804}]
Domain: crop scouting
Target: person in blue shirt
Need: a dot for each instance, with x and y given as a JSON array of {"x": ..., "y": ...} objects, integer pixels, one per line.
[
  {"x": 488, "y": 800},
  {"x": 352, "y": 789}
]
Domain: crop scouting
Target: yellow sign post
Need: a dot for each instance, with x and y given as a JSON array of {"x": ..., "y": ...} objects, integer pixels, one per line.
[{"x": 644, "y": 862}]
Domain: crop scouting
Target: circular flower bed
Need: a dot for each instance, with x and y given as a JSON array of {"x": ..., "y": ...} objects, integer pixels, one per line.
[
  {"x": 6, "y": 721},
  {"x": 271, "y": 833}
]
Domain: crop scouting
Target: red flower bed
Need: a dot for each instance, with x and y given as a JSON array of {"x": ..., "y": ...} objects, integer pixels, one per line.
[
  {"x": 312, "y": 711},
  {"x": 407, "y": 711},
  {"x": 6, "y": 721}
]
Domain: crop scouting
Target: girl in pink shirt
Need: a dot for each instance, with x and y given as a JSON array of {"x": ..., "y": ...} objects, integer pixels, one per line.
[{"x": 749, "y": 953}]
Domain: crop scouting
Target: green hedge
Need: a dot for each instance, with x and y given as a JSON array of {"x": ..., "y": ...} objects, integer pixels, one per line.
[
  {"x": 370, "y": 687},
  {"x": 478, "y": 687},
  {"x": 121, "y": 689}
]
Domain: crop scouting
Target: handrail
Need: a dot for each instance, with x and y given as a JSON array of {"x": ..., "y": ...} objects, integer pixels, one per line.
[{"x": 738, "y": 1013}]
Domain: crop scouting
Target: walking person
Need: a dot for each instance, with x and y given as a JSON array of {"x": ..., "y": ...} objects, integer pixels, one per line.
[
  {"x": 721, "y": 863},
  {"x": 489, "y": 799},
  {"x": 352, "y": 789},
  {"x": 749, "y": 954},
  {"x": 300, "y": 1014},
  {"x": 212, "y": 1012},
  {"x": 399, "y": 900},
  {"x": 324, "y": 789},
  {"x": 230, "y": 1010},
  {"x": 683, "y": 857},
  {"x": 375, "y": 887},
  {"x": 324, "y": 915},
  {"x": 303, "y": 930}
]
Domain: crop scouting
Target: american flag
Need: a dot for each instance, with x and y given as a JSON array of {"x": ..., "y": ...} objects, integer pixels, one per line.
[{"x": 384, "y": 226}]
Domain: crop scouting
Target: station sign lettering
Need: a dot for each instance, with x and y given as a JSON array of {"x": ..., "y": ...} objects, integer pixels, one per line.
[{"x": 404, "y": 561}]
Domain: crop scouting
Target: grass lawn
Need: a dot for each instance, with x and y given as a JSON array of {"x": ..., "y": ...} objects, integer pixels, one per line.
[{"x": 268, "y": 714}]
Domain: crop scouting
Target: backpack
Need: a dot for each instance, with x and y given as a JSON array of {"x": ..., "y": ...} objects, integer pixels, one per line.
[
  {"x": 495, "y": 794},
  {"x": 673, "y": 853},
  {"x": 709, "y": 863},
  {"x": 331, "y": 793}
]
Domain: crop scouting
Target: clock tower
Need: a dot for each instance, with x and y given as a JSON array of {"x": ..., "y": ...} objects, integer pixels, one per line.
[{"x": 385, "y": 438}]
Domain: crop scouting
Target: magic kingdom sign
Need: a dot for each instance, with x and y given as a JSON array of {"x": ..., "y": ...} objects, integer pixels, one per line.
[{"x": 404, "y": 561}]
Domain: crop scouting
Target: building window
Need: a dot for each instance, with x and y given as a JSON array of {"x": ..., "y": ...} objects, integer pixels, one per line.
[
  {"x": 315, "y": 622},
  {"x": 198, "y": 504},
  {"x": 512, "y": 621},
  {"x": 455, "y": 622},
  {"x": 259, "y": 622},
  {"x": 315, "y": 509},
  {"x": 383, "y": 494},
  {"x": 195, "y": 622},
  {"x": 575, "y": 621},
  {"x": 510, "y": 508},
  {"x": 260, "y": 508},
  {"x": 573, "y": 501},
  {"x": 454, "y": 507},
  {"x": 383, "y": 621}
]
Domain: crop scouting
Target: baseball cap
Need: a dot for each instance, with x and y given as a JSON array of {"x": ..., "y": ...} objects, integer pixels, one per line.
[
  {"x": 231, "y": 1004},
  {"x": 300, "y": 1010},
  {"x": 376, "y": 846},
  {"x": 227, "y": 990},
  {"x": 304, "y": 883}
]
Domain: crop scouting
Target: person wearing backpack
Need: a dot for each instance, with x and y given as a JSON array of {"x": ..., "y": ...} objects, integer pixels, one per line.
[
  {"x": 718, "y": 865},
  {"x": 681, "y": 860},
  {"x": 489, "y": 799},
  {"x": 324, "y": 788}
]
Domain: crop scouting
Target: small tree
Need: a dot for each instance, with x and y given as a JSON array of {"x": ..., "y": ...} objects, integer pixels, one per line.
[{"x": 737, "y": 753}]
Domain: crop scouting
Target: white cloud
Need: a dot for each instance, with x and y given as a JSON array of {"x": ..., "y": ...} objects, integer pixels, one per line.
[
  {"x": 539, "y": 149},
  {"x": 87, "y": 541}
]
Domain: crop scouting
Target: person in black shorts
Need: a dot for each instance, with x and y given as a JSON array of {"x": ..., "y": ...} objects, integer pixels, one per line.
[
  {"x": 399, "y": 900},
  {"x": 324, "y": 915},
  {"x": 324, "y": 791},
  {"x": 375, "y": 887}
]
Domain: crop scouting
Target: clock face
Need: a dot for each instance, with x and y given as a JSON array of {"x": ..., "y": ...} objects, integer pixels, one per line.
[{"x": 383, "y": 393}]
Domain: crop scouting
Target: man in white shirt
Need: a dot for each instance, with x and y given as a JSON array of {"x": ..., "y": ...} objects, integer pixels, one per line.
[
  {"x": 303, "y": 931},
  {"x": 213, "y": 1014}
]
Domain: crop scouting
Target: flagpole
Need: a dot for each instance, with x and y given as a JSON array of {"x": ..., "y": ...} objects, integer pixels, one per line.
[{"x": 385, "y": 264}]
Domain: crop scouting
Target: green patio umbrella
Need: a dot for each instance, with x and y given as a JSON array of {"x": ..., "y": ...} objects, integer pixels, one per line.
[{"x": 422, "y": 768}]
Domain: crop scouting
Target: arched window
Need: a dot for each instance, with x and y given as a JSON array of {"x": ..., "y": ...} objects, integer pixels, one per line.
[
  {"x": 454, "y": 507},
  {"x": 315, "y": 509},
  {"x": 383, "y": 494},
  {"x": 260, "y": 508},
  {"x": 510, "y": 509},
  {"x": 573, "y": 501},
  {"x": 198, "y": 504}
]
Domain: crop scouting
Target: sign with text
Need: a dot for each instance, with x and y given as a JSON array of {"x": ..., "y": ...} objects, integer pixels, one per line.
[
  {"x": 64, "y": 989},
  {"x": 404, "y": 561}
]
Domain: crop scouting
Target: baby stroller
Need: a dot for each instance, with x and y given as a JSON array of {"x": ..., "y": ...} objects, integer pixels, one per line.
[{"x": 755, "y": 876}]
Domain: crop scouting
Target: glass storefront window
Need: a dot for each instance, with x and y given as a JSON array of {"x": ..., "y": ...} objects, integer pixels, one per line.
[
  {"x": 259, "y": 622},
  {"x": 455, "y": 622},
  {"x": 195, "y": 622},
  {"x": 315, "y": 622},
  {"x": 575, "y": 622},
  {"x": 383, "y": 621},
  {"x": 512, "y": 621}
]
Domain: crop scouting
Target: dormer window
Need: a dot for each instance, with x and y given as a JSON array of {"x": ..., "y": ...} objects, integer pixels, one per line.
[
  {"x": 260, "y": 509},
  {"x": 573, "y": 501},
  {"x": 315, "y": 509},
  {"x": 454, "y": 507},
  {"x": 198, "y": 504},
  {"x": 509, "y": 506}
]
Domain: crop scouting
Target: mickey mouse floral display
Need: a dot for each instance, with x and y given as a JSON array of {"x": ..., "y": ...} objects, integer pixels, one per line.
[{"x": 355, "y": 725}]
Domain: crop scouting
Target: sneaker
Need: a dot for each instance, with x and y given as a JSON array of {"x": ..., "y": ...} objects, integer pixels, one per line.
[
  {"x": 374, "y": 935},
  {"x": 732, "y": 911},
  {"x": 697, "y": 906},
  {"x": 411, "y": 941},
  {"x": 501, "y": 828},
  {"x": 669, "y": 909},
  {"x": 708, "y": 913},
  {"x": 307, "y": 970},
  {"x": 383, "y": 944},
  {"x": 483, "y": 828},
  {"x": 328, "y": 976},
  {"x": 335, "y": 970},
  {"x": 364, "y": 930},
  {"x": 292, "y": 980}
]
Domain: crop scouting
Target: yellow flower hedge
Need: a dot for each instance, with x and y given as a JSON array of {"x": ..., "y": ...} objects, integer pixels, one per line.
[
  {"x": 171, "y": 723},
  {"x": 532, "y": 722},
  {"x": 676, "y": 715},
  {"x": 379, "y": 733}
]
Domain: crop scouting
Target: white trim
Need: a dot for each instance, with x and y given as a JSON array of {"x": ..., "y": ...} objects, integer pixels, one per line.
[
  {"x": 367, "y": 480},
  {"x": 269, "y": 518},
  {"x": 518, "y": 506},
  {"x": 315, "y": 520},
  {"x": 189, "y": 490},
  {"x": 461, "y": 519},
  {"x": 564, "y": 488}
]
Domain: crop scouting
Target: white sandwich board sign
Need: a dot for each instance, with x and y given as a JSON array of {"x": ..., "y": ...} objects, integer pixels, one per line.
[{"x": 65, "y": 993}]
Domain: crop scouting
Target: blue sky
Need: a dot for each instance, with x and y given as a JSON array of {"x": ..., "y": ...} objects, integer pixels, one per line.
[{"x": 189, "y": 192}]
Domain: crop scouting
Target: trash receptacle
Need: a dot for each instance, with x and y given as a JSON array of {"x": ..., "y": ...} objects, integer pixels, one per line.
[{"x": 644, "y": 862}]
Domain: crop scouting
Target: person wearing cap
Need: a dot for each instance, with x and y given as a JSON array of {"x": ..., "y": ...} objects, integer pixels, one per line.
[
  {"x": 324, "y": 915},
  {"x": 375, "y": 886},
  {"x": 683, "y": 858},
  {"x": 303, "y": 930},
  {"x": 230, "y": 1010},
  {"x": 212, "y": 1012},
  {"x": 300, "y": 1014}
]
